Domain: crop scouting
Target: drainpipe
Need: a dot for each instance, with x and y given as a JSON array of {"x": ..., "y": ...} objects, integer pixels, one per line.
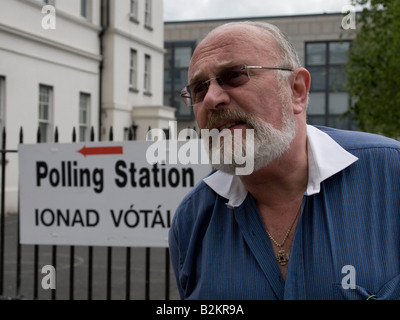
[{"x": 104, "y": 23}]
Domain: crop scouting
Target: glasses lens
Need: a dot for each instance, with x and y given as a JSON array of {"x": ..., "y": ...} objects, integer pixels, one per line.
[
  {"x": 198, "y": 90},
  {"x": 234, "y": 76},
  {"x": 185, "y": 95},
  {"x": 229, "y": 78}
]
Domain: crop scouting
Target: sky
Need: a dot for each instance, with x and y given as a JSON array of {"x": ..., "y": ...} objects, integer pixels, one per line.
[{"x": 178, "y": 10}]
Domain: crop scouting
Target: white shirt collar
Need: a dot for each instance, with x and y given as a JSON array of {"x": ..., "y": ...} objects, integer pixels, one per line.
[{"x": 325, "y": 158}]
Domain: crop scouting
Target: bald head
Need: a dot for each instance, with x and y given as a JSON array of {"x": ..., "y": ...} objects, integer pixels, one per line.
[{"x": 261, "y": 34}]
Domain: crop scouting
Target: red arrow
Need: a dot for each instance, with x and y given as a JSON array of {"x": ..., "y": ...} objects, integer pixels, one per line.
[{"x": 94, "y": 151}]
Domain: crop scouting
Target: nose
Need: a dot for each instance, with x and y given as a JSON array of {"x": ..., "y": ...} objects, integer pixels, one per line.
[{"x": 216, "y": 96}]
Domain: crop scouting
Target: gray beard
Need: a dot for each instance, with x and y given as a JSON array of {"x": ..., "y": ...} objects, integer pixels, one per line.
[{"x": 268, "y": 144}]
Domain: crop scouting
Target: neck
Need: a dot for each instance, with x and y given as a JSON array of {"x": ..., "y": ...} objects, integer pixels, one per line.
[{"x": 284, "y": 180}]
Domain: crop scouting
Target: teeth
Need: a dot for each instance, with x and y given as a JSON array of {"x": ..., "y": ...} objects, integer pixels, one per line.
[{"x": 228, "y": 125}]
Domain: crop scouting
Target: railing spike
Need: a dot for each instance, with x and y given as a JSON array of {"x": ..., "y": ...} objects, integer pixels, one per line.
[
  {"x": 73, "y": 135},
  {"x": 56, "y": 135},
  {"x": 4, "y": 136},
  {"x": 21, "y": 135},
  {"x": 92, "y": 134},
  {"x": 111, "y": 134},
  {"x": 130, "y": 133},
  {"x": 38, "y": 135}
]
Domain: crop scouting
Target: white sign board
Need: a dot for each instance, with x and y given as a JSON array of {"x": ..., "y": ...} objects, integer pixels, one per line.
[{"x": 101, "y": 194}]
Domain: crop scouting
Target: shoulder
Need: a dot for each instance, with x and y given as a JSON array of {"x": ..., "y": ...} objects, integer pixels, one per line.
[
  {"x": 198, "y": 201},
  {"x": 356, "y": 140},
  {"x": 201, "y": 193},
  {"x": 376, "y": 154}
]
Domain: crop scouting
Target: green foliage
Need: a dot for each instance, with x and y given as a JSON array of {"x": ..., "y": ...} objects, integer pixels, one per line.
[{"x": 373, "y": 68}]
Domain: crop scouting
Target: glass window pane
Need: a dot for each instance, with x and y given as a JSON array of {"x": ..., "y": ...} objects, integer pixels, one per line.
[
  {"x": 316, "y": 103},
  {"x": 45, "y": 111},
  {"x": 180, "y": 79},
  {"x": 337, "y": 79},
  {"x": 318, "y": 78},
  {"x": 338, "y": 52},
  {"x": 168, "y": 101},
  {"x": 2, "y": 100},
  {"x": 82, "y": 116},
  {"x": 134, "y": 8},
  {"x": 43, "y": 128},
  {"x": 133, "y": 59},
  {"x": 131, "y": 82},
  {"x": 147, "y": 13},
  {"x": 84, "y": 108},
  {"x": 338, "y": 102},
  {"x": 147, "y": 70},
  {"x": 182, "y": 108},
  {"x": 84, "y": 8},
  {"x": 316, "y": 120},
  {"x": 82, "y": 134},
  {"x": 168, "y": 58},
  {"x": 182, "y": 56},
  {"x": 316, "y": 54},
  {"x": 339, "y": 123},
  {"x": 167, "y": 81}
]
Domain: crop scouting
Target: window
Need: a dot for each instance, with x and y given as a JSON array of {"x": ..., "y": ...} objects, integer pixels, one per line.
[
  {"x": 84, "y": 9},
  {"x": 147, "y": 74},
  {"x": 134, "y": 11},
  {"x": 45, "y": 112},
  {"x": 328, "y": 98},
  {"x": 147, "y": 14},
  {"x": 176, "y": 65},
  {"x": 2, "y": 102},
  {"x": 84, "y": 123},
  {"x": 133, "y": 71}
]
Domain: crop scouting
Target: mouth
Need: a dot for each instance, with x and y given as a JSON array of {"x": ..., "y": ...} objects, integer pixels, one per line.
[{"x": 230, "y": 125}]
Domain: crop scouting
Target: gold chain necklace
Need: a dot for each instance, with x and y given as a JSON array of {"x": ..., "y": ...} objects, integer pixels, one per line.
[{"x": 282, "y": 257}]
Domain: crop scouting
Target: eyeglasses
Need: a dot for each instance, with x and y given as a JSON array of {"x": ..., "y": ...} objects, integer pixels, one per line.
[{"x": 228, "y": 78}]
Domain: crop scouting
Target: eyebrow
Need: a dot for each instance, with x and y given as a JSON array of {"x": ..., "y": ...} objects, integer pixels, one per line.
[{"x": 198, "y": 74}]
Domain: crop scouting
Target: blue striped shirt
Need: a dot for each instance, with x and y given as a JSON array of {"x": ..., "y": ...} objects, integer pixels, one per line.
[{"x": 346, "y": 243}]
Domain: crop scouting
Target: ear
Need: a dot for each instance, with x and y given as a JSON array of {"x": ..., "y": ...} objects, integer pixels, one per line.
[{"x": 301, "y": 81}]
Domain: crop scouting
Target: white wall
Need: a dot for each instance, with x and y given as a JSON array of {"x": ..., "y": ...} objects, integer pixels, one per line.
[
  {"x": 65, "y": 58},
  {"x": 122, "y": 36},
  {"x": 71, "y": 29}
]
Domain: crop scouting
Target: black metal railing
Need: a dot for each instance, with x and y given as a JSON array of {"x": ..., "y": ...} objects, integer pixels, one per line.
[{"x": 17, "y": 289}]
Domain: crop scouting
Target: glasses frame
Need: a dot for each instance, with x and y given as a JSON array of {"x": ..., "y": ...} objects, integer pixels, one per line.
[{"x": 186, "y": 92}]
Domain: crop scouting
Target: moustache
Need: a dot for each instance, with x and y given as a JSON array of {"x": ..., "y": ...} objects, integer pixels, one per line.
[{"x": 216, "y": 117}]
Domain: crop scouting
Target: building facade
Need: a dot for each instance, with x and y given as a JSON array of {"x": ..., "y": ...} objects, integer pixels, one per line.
[
  {"x": 83, "y": 64},
  {"x": 321, "y": 43}
]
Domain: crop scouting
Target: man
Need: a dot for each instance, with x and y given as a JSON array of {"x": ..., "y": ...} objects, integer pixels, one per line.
[{"x": 318, "y": 218}]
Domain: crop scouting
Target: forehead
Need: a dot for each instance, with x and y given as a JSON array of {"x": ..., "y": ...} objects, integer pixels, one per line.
[{"x": 227, "y": 46}]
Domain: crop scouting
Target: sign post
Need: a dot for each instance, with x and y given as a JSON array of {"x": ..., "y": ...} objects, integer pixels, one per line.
[{"x": 104, "y": 194}]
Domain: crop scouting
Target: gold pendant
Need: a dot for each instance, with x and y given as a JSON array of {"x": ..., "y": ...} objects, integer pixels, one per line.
[{"x": 282, "y": 257}]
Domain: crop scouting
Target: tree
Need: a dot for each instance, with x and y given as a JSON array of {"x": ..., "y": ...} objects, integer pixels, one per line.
[{"x": 373, "y": 68}]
